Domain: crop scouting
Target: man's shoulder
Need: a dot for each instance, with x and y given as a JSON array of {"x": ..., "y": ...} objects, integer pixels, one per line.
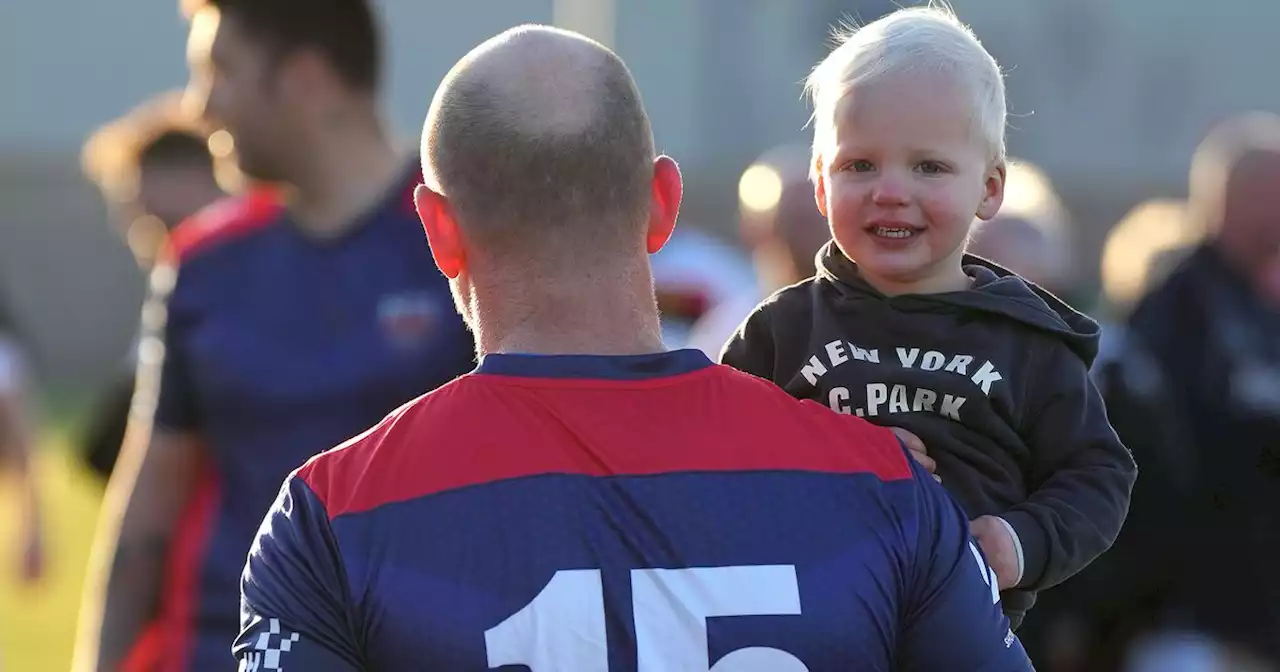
[
  {"x": 353, "y": 476},
  {"x": 224, "y": 221},
  {"x": 816, "y": 435}
]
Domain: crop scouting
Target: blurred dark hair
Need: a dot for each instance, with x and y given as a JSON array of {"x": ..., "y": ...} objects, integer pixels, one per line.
[
  {"x": 345, "y": 32},
  {"x": 174, "y": 146},
  {"x": 155, "y": 133}
]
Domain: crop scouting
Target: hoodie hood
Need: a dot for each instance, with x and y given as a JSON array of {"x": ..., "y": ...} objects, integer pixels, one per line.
[{"x": 996, "y": 291}]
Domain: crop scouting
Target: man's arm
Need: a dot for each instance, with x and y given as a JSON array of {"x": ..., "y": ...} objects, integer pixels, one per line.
[
  {"x": 146, "y": 495},
  {"x": 145, "y": 498},
  {"x": 293, "y": 595},
  {"x": 953, "y": 616},
  {"x": 1081, "y": 478},
  {"x": 104, "y": 430}
]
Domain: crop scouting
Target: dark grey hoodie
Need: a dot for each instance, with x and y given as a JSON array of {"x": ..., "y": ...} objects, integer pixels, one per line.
[{"x": 994, "y": 379}]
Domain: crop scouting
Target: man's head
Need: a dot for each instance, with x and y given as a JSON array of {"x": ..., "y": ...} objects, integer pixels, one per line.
[
  {"x": 779, "y": 221},
  {"x": 540, "y": 167},
  {"x": 276, "y": 73},
  {"x": 1233, "y": 189},
  {"x": 155, "y": 169}
]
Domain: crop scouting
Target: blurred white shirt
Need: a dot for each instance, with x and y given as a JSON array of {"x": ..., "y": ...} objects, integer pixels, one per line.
[
  {"x": 713, "y": 330},
  {"x": 699, "y": 265}
]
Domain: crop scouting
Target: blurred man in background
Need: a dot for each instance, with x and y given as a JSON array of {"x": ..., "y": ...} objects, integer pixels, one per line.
[
  {"x": 1213, "y": 328},
  {"x": 154, "y": 169},
  {"x": 780, "y": 225},
  {"x": 280, "y": 321},
  {"x": 1091, "y": 622}
]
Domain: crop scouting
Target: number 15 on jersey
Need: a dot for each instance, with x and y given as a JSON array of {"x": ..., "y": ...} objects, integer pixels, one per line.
[{"x": 563, "y": 628}]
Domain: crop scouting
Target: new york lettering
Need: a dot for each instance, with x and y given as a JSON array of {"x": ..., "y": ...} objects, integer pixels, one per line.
[{"x": 885, "y": 399}]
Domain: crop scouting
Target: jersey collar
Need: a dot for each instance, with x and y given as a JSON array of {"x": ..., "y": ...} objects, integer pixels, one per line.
[{"x": 598, "y": 367}]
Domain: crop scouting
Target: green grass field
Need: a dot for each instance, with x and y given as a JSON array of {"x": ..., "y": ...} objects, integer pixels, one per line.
[{"x": 38, "y": 622}]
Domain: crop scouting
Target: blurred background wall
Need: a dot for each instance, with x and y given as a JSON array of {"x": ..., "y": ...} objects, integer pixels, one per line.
[{"x": 1109, "y": 96}]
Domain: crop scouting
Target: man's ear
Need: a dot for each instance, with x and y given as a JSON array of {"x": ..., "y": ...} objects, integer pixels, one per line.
[
  {"x": 442, "y": 230},
  {"x": 666, "y": 193}
]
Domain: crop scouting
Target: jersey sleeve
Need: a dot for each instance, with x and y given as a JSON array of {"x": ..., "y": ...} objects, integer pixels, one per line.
[
  {"x": 164, "y": 387},
  {"x": 953, "y": 615},
  {"x": 293, "y": 597}
]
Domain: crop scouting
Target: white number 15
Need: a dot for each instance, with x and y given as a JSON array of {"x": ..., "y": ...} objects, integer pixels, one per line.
[{"x": 563, "y": 628}]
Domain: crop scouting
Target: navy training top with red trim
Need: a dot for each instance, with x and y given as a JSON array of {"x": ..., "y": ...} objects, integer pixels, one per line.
[
  {"x": 598, "y": 514},
  {"x": 278, "y": 345}
]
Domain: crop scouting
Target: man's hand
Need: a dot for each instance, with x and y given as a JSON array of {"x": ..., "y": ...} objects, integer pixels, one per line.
[
  {"x": 998, "y": 545},
  {"x": 917, "y": 450}
]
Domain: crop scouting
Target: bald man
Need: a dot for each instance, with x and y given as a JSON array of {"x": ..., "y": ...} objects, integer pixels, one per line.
[
  {"x": 780, "y": 223},
  {"x": 585, "y": 500}
]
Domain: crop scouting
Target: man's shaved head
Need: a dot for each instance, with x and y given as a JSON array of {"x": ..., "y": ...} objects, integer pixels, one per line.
[{"x": 538, "y": 139}]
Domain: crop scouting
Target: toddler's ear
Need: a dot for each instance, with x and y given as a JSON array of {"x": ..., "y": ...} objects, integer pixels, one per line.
[
  {"x": 820, "y": 186},
  {"x": 993, "y": 192}
]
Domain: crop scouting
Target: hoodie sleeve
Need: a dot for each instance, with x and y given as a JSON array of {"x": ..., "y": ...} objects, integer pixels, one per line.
[
  {"x": 751, "y": 348},
  {"x": 1081, "y": 475}
]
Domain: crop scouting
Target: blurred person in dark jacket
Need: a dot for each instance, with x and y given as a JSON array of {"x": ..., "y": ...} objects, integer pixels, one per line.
[
  {"x": 154, "y": 167},
  {"x": 1212, "y": 328},
  {"x": 1091, "y": 622}
]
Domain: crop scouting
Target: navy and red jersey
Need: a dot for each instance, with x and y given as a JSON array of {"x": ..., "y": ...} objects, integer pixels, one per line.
[
  {"x": 276, "y": 345},
  {"x": 605, "y": 514}
]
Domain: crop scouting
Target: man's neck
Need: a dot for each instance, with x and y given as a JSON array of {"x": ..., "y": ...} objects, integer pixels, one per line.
[
  {"x": 570, "y": 318},
  {"x": 345, "y": 174}
]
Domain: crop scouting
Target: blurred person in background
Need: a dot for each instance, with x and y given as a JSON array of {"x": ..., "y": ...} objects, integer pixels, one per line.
[
  {"x": 154, "y": 169},
  {"x": 694, "y": 274},
  {"x": 1213, "y": 329},
  {"x": 281, "y": 320},
  {"x": 16, "y": 453},
  {"x": 1031, "y": 237},
  {"x": 781, "y": 227},
  {"x": 1031, "y": 234},
  {"x": 1093, "y": 621}
]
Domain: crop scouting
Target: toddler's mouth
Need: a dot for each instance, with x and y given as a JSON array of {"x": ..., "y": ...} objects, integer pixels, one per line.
[{"x": 893, "y": 231}]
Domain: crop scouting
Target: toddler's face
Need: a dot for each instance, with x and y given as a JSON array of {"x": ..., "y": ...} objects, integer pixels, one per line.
[{"x": 902, "y": 179}]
